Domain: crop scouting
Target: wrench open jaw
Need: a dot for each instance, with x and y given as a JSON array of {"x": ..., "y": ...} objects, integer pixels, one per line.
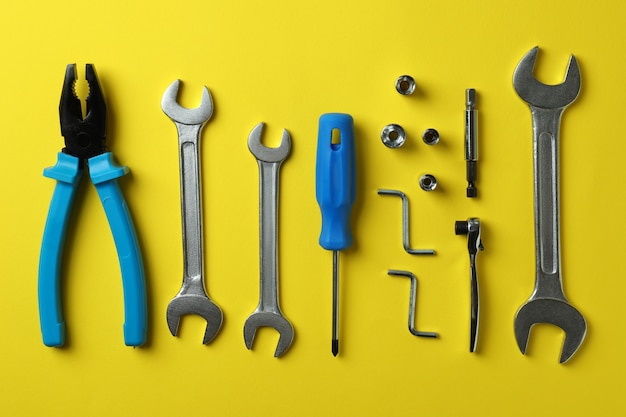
[
  {"x": 548, "y": 303},
  {"x": 274, "y": 320},
  {"x": 192, "y": 297},
  {"x": 538, "y": 94},
  {"x": 265, "y": 154},
  {"x": 551, "y": 311},
  {"x": 180, "y": 114},
  {"x": 184, "y": 304},
  {"x": 268, "y": 313}
]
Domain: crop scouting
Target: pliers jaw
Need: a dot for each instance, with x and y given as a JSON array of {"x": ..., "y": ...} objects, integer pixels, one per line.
[{"x": 84, "y": 137}]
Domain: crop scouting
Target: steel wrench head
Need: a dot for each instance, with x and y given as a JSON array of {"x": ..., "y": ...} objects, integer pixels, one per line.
[
  {"x": 551, "y": 311},
  {"x": 544, "y": 96},
  {"x": 202, "y": 306},
  {"x": 262, "y": 152},
  {"x": 273, "y": 320},
  {"x": 180, "y": 114}
]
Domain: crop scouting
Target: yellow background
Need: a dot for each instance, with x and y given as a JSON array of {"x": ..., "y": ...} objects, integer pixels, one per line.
[{"x": 285, "y": 63}]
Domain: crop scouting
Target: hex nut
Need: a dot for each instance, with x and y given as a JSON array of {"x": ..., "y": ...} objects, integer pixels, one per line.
[
  {"x": 393, "y": 136},
  {"x": 428, "y": 182},
  {"x": 430, "y": 136},
  {"x": 405, "y": 85}
]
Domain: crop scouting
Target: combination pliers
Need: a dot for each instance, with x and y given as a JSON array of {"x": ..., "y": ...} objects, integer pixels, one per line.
[{"x": 85, "y": 147}]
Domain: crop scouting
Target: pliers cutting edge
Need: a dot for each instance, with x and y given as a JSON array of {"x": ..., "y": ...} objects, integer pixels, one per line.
[{"x": 85, "y": 146}]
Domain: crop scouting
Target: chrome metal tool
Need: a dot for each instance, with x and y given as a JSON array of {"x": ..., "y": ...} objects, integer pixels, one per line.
[
  {"x": 268, "y": 313},
  {"x": 405, "y": 223},
  {"x": 548, "y": 303},
  {"x": 192, "y": 297},
  {"x": 412, "y": 302},
  {"x": 471, "y": 141},
  {"x": 471, "y": 228}
]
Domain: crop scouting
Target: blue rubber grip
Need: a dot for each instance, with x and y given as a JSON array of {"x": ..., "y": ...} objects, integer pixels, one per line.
[
  {"x": 335, "y": 178},
  {"x": 67, "y": 172},
  {"x": 104, "y": 173}
]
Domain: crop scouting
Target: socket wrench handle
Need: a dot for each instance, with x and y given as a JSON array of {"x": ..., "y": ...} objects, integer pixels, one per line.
[{"x": 472, "y": 229}]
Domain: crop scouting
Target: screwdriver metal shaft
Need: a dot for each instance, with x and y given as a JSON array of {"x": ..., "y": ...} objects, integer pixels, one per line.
[
  {"x": 335, "y": 175},
  {"x": 335, "y": 339}
]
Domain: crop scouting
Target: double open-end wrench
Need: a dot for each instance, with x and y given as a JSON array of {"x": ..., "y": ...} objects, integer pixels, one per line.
[
  {"x": 268, "y": 313},
  {"x": 548, "y": 303},
  {"x": 192, "y": 297}
]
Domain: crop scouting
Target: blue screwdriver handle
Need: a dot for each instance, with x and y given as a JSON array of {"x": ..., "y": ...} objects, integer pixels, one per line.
[
  {"x": 335, "y": 178},
  {"x": 67, "y": 173},
  {"x": 104, "y": 174}
]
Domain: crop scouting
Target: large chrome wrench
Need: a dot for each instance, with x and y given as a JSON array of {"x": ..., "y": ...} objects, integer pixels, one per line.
[
  {"x": 192, "y": 297},
  {"x": 268, "y": 313},
  {"x": 548, "y": 303}
]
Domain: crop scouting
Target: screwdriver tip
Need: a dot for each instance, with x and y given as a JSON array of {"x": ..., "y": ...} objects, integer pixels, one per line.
[
  {"x": 335, "y": 347},
  {"x": 470, "y": 98},
  {"x": 471, "y": 191}
]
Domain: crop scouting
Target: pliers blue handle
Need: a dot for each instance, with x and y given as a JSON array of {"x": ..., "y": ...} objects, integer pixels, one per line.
[
  {"x": 104, "y": 174},
  {"x": 84, "y": 140}
]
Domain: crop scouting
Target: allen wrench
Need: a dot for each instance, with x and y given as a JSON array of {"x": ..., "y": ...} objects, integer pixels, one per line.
[
  {"x": 412, "y": 303},
  {"x": 405, "y": 223}
]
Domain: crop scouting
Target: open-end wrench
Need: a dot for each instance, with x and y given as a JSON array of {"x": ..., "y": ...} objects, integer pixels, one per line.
[
  {"x": 268, "y": 313},
  {"x": 192, "y": 297},
  {"x": 548, "y": 303}
]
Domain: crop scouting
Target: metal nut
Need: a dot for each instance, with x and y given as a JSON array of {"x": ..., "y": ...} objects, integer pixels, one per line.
[
  {"x": 393, "y": 136},
  {"x": 405, "y": 85},
  {"x": 430, "y": 136},
  {"x": 428, "y": 182}
]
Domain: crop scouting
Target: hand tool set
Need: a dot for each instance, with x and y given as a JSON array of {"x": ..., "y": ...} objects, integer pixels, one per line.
[
  {"x": 405, "y": 85},
  {"x": 335, "y": 179}
]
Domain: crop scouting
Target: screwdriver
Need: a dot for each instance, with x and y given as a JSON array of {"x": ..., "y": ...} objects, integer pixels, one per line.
[{"x": 335, "y": 189}]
